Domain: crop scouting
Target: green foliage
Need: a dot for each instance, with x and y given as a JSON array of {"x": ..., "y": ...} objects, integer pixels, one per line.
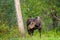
[
  {"x": 29, "y": 8},
  {"x": 7, "y": 12}
]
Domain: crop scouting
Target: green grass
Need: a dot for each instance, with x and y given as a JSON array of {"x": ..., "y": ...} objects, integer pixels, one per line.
[
  {"x": 14, "y": 34},
  {"x": 42, "y": 38}
]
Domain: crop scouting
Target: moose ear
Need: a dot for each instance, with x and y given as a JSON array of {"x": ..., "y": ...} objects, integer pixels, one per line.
[{"x": 38, "y": 18}]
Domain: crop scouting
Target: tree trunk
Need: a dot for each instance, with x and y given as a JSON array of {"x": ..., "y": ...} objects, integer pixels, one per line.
[{"x": 19, "y": 17}]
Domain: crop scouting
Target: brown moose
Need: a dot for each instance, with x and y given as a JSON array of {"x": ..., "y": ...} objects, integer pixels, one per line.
[{"x": 33, "y": 24}]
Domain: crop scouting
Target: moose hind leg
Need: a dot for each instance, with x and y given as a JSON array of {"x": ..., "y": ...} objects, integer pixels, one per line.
[{"x": 39, "y": 29}]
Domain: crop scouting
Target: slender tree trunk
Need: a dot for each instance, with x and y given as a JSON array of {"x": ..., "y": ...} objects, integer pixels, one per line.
[{"x": 19, "y": 17}]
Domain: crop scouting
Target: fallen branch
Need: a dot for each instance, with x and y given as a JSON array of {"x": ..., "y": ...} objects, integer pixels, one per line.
[{"x": 56, "y": 17}]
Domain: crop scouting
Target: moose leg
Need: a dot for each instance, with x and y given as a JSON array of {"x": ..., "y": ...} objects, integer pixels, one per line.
[
  {"x": 30, "y": 32},
  {"x": 39, "y": 29}
]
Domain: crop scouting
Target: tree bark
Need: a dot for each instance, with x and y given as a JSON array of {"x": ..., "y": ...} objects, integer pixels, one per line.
[{"x": 19, "y": 17}]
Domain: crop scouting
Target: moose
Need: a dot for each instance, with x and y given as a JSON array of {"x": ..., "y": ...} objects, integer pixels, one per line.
[{"x": 33, "y": 24}]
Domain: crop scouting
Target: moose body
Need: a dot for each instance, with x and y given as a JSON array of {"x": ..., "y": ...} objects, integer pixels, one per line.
[{"x": 33, "y": 24}]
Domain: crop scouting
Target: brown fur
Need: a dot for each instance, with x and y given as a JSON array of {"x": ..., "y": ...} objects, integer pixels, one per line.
[{"x": 33, "y": 24}]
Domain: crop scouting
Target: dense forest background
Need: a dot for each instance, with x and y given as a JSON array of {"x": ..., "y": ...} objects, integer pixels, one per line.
[{"x": 46, "y": 9}]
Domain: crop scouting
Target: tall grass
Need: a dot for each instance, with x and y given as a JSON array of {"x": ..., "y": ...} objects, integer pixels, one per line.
[{"x": 13, "y": 34}]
